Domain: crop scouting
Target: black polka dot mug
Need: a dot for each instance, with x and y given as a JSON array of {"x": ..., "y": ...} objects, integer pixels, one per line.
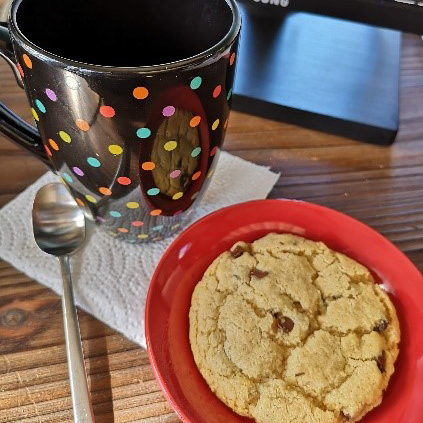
[{"x": 131, "y": 100}]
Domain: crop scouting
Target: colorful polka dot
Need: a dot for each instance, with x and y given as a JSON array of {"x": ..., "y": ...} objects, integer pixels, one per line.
[
  {"x": 157, "y": 228},
  {"x": 217, "y": 91},
  {"x": 90, "y": 198},
  {"x": 215, "y": 124},
  {"x": 209, "y": 175},
  {"x": 123, "y": 230},
  {"x": 196, "y": 82},
  {"x": 175, "y": 226},
  {"x": 72, "y": 83},
  {"x": 107, "y": 111},
  {"x": 65, "y": 136},
  {"x": 175, "y": 173},
  {"x": 92, "y": 161},
  {"x": 132, "y": 205},
  {"x": 137, "y": 223},
  {"x": 153, "y": 191},
  {"x": 196, "y": 175},
  {"x": 67, "y": 177},
  {"x": 51, "y": 94},
  {"x": 196, "y": 152},
  {"x": 53, "y": 144},
  {"x": 82, "y": 124},
  {"x": 229, "y": 94},
  {"x": 232, "y": 59},
  {"x": 177, "y": 196},
  {"x": 112, "y": 233},
  {"x": 168, "y": 111},
  {"x": 142, "y": 236},
  {"x": 100, "y": 219},
  {"x": 195, "y": 121},
  {"x": 213, "y": 152},
  {"x": 143, "y": 133},
  {"x": 155, "y": 212},
  {"x": 115, "y": 213},
  {"x": 78, "y": 171},
  {"x": 140, "y": 93},
  {"x": 148, "y": 165},
  {"x": 115, "y": 149},
  {"x": 80, "y": 202},
  {"x": 40, "y": 106},
  {"x": 123, "y": 180},
  {"x": 105, "y": 191},
  {"x": 21, "y": 72},
  {"x": 35, "y": 114},
  {"x": 27, "y": 61},
  {"x": 170, "y": 145}
]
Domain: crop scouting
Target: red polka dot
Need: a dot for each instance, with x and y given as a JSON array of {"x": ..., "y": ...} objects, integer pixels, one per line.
[
  {"x": 21, "y": 72},
  {"x": 213, "y": 152},
  {"x": 232, "y": 59},
  {"x": 137, "y": 223},
  {"x": 217, "y": 91},
  {"x": 47, "y": 151},
  {"x": 107, "y": 111},
  {"x": 80, "y": 202},
  {"x": 123, "y": 180}
]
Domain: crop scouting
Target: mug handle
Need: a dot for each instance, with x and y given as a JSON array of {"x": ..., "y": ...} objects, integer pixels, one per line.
[{"x": 11, "y": 125}]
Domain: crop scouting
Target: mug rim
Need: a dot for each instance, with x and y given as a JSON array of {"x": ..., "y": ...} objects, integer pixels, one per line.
[{"x": 199, "y": 58}]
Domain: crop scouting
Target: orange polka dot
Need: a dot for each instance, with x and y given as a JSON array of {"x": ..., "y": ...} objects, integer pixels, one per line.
[
  {"x": 27, "y": 61},
  {"x": 217, "y": 91},
  {"x": 123, "y": 180},
  {"x": 53, "y": 144},
  {"x": 123, "y": 230},
  {"x": 155, "y": 212},
  {"x": 105, "y": 191},
  {"x": 148, "y": 165},
  {"x": 140, "y": 93},
  {"x": 195, "y": 121},
  {"x": 47, "y": 151},
  {"x": 232, "y": 59},
  {"x": 107, "y": 111},
  {"x": 196, "y": 175},
  {"x": 80, "y": 202},
  {"x": 83, "y": 125},
  {"x": 21, "y": 72}
]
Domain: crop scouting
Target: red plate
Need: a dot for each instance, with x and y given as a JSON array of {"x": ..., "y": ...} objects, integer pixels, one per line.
[{"x": 183, "y": 264}]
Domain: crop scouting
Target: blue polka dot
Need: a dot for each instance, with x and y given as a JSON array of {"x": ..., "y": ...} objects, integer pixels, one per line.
[
  {"x": 92, "y": 161},
  {"x": 157, "y": 228},
  {"x": 67, "y": 177},
  {"x": 153, "y": 191},
  {"x": 143, "y": 133},
  {"x": 196, "y": 82},
  {"x": 40, "y": 106},
  {"x": 196, "y": 152},
  {"x": 229, "y": 94},
  {"x": 114, "y": 213}
]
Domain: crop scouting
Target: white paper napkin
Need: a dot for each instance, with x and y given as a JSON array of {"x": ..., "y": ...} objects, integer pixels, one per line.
[{"x": 111, "y": 277}]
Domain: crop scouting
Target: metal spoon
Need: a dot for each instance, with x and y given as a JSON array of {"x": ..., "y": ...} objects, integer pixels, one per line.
[{"x": 60, "y": 229}]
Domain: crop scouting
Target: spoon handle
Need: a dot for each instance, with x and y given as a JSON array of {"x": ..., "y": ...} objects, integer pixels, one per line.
[{"x": 81, "y": 400}]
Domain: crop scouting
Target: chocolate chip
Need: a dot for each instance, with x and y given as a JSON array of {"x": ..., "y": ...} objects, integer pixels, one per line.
[
  {"x": 381, "y": 361},
  {"x": 346, "y": 416},
  {"x": 237, "y": 252},
  {"x": 284, "y": 323},
  {"x": 299, "y": 374},
  {"x": 381, "y": 325},
  {"x": 257, "y": 273}
]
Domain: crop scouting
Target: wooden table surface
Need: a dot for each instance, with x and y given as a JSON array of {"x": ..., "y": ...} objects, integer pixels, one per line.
[{"x": 381, "y": 186}]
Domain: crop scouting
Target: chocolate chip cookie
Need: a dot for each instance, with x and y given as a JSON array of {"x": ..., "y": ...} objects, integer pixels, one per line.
[{"x": 285, "y": 330}]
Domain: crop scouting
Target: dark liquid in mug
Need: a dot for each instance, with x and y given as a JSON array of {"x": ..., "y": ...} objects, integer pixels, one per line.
[{"x": 124, "y": 33}]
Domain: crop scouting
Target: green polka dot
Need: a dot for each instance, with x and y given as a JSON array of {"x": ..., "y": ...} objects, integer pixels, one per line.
[
  {"x": 91, "y": 199},
  {"x": 153, "y": 191},
  {"x": 196, "y": 82},
  {"x": 67, "y": 177},
  {"x": 65, "y": 136},
  {"x": 40, "y": 106},
  {"x": 92, "y": 161},
  {"x": 196, "y": 152},
  {"x": 143, "y": 133},
  {"x": 157, "y": 228},
  {"x": 114, "y": 213},
  {"x": 229, "y": 94}
]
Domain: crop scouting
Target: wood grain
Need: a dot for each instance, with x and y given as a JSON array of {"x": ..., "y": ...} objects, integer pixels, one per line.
[{"x": 381, "y": 186}]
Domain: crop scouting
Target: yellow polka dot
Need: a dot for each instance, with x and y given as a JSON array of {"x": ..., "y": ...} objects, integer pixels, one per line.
[
  {"x": 115, "y": 149},
  {"x": 34, "y": 113},
  {"x": 112, "y": 233},
  {"x": 177, "y": 196},
  {"x": 209, "y": 175},
  {"x": 215, "y": 124},
  {"x": 142, "y": 236},
  {"x": 65, "y": 136},
  {"x": 170, "y": 145},
  {"x": 90, "y": 198},
  {"x": 132, "y": 205},
  {"x": 27, "y": 61}
]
